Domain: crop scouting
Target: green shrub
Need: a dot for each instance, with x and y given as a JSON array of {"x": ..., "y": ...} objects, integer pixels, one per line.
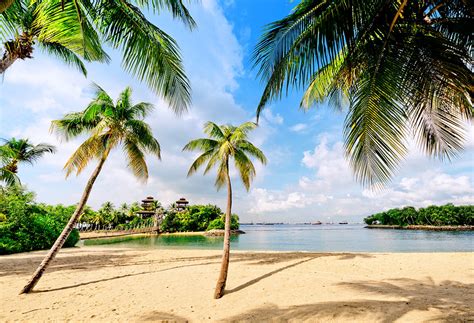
[
  {"x": 218, "y": 224},
  {"x": 194, "y": 218},
  {"x": 31, "y": 226}
]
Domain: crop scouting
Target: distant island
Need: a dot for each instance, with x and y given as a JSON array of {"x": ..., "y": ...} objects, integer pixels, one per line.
[{"x": 445, "y": 217}]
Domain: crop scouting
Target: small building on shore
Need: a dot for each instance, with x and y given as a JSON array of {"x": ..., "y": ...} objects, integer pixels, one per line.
[
  {"x": 181, "y": 204},
  {"x": 148, "y": 208}
]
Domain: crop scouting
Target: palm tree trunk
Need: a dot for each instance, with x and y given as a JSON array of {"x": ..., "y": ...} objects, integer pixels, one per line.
[
  {"x": 219, "y": 292},
  {"x": 67, "y": 230},
  {"x": 19, "y": 48},
  {"x": 7, "y": 60},
  {"x": 5, "y": 4}
]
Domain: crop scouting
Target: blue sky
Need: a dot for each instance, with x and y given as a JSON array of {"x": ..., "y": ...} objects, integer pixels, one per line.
[{"x": 307, "y": 177}]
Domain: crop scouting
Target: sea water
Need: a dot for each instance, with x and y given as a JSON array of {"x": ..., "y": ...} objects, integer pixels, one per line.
[{"x": 320, "y": 238}]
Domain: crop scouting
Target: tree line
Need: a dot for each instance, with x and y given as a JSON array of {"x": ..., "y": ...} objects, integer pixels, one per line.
[
  {"x": 26, "y": 225},
  {"x": 448, "y": 214}
]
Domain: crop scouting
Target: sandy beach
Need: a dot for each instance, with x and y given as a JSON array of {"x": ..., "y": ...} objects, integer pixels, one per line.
[{"x": 112, "y": 284}]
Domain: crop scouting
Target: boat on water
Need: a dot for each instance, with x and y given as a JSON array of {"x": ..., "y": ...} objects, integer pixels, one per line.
[
  {"x": 317, "y": 223},
  {"x": 344, "y": 222}
]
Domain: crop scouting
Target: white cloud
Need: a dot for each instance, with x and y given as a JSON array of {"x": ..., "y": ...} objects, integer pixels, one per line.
[
  {"x": 299, "y": 127},
  {"x": 331, "y": 193},
  {"x": 268, "y": 115}
]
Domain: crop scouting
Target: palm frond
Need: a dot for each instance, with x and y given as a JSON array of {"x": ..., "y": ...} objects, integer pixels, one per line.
[
  {"x": 140, "y": 132},
  {"x": 92, "y": 148},
  {"x": 202, "y": 144},
  {"x": 222, "y": 174},
  {"x": 72, "y": 125},
  {"x": 8, "y": 177},
  {"x": 136, "y": 159},
  {"x": 245, "y": 168},
  {"x": 213, "y": 130},
  {"x": 141, "y": 110},
  {"x": 176, "y": 7},
  {"x": 69, "y": 25},
  {"x": 64, "y": 54},
  {"x": 249, "y": 148},
  {"x": 375, "y": 132},
  {"x": 148, "y": 53},
  {"x": 204, "y": 157},
  {"x": 400, "y": 64}
]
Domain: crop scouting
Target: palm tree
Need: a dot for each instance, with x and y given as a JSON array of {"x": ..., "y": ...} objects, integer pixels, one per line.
[
  {"x": 15, "y": 151},
  {"x": 226, "y": 142},
  {"x": 74, "y": 31},
  {"x": 6, "y": 175},
  {"x": 108, "y": 125},
  {"x": 23, "y": 151},
  {"x": 402, "y": 68}
]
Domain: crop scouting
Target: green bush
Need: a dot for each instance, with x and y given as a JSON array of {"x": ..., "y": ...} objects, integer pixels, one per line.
[
  {"x": 448, "y": 214},
  {"x": 30, "y": 226},
  {"x": 218, "y": 224},
  {"x": 195, "y": 218}
]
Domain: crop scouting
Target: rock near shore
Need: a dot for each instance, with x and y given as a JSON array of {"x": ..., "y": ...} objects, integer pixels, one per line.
[{"x": 219, "y": 233}]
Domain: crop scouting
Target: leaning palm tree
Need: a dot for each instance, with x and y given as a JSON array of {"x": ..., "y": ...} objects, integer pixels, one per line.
[
  {"x": 74, "y": 31},
  {"x": 23, "y": 151},
  {"x": 224, "y": 143},
  {"x": 109, "y": 125},
  {"x": 402, "y": 68}
]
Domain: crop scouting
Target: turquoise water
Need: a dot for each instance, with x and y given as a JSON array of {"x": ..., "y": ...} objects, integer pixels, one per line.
[{"x": 325, "y": 238}]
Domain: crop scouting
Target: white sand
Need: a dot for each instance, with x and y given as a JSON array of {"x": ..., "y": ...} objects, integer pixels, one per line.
[{"x": 111, "y": 284}]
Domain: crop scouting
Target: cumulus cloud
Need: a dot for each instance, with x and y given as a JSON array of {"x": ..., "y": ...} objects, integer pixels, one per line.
[{"x": 331, "y": 193}]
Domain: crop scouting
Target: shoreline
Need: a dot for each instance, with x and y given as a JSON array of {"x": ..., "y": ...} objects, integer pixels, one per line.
[
  {"x": 119, "y": 284},
  {"x": 151, "y": 232},
  {"x": 147, "y": 232},
  {"x": 423, "y": 227}
]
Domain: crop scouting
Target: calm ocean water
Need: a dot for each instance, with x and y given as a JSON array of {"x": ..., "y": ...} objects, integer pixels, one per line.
[{"x": 326, "y": 238}]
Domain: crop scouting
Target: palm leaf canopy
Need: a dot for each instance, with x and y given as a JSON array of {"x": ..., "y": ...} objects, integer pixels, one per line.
[
  {"x": 110, "y": 124},
  {"x": 75, "y": 30},
  {"x": 402, "y": 67},
  {"x": 224, "y": 143},
  {"x": 6, "y": 175},
  {"x": 22, "y": 150}
]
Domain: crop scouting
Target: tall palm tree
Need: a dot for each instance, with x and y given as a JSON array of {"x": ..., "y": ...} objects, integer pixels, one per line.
[
  {"x": 224, "y": 143},
  {"x": 75, "y": 31},
  {"x": 109, "y": 125},
  {"x": 402, "y": 67},
  {"x": 23, "y": 151}
]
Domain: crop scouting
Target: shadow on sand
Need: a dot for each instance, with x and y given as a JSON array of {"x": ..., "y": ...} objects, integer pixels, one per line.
[{"x": 451, "y": 299}]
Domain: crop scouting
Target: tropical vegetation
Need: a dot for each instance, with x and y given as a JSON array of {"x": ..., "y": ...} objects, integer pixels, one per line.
[
  {"x": 19, "y": 151},
  {"x": 448, "y": 214},
  {"x": 224, "y": 143},
  {"x": 77, "y": 31},
  {"x": 196, "y": 218},
  {"x": 109, "y": 125},
  {"x": 401, "y": 67},
  {"x": 26, "y": 225}
]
